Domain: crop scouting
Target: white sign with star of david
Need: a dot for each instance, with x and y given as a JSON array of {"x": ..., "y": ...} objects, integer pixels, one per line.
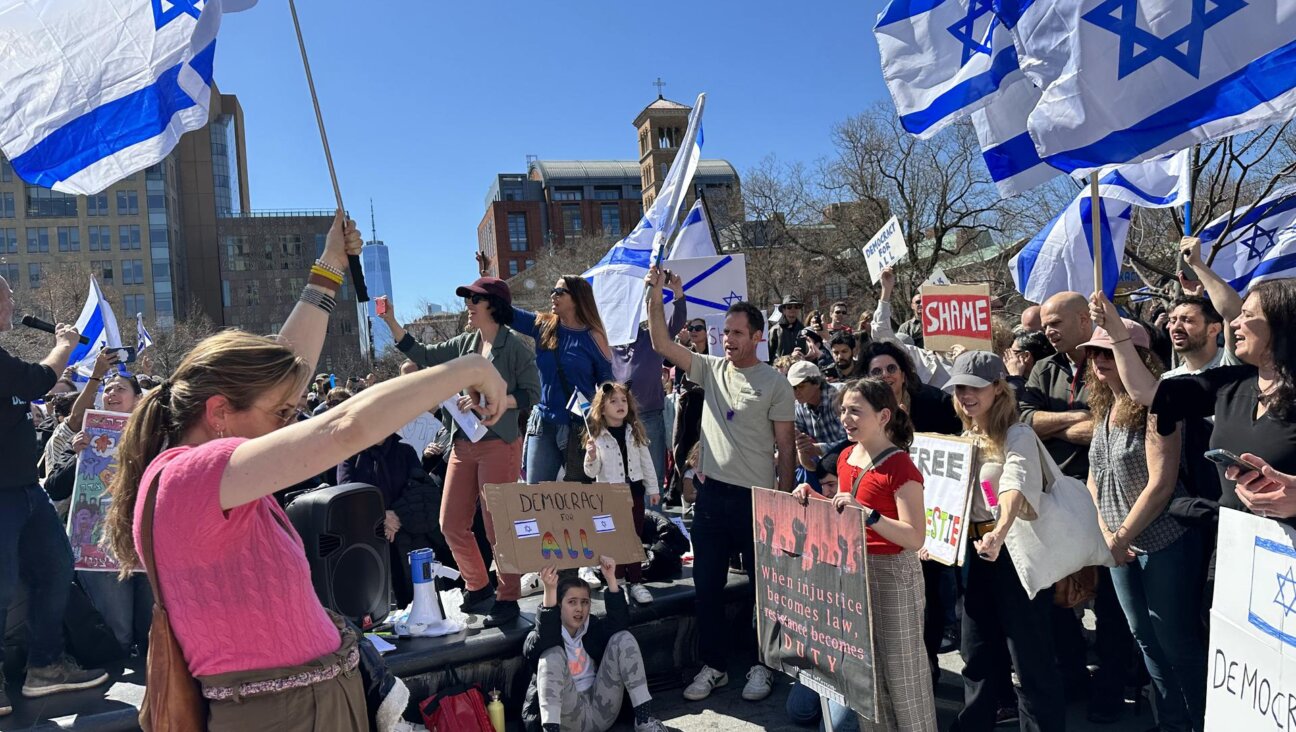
[
  {"x": 711, "y": 284},
  {"x": 1251, "y": 675}
]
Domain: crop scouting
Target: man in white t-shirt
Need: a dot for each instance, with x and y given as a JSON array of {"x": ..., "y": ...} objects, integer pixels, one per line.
[{"x": 748, "y": 411}]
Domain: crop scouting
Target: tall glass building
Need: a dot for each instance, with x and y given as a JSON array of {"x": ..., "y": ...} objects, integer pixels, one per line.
[{"x": 377, "y": 268}]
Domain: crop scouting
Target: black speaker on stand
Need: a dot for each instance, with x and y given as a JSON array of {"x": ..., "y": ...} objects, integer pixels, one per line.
[{"x": 342, "y": 530}]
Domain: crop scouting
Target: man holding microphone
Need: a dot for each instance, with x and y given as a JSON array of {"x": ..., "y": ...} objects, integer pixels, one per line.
[{"x": 33, "y": 544}]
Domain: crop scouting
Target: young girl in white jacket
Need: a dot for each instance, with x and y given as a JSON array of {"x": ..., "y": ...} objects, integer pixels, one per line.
[{"x": 616, "y": 451}]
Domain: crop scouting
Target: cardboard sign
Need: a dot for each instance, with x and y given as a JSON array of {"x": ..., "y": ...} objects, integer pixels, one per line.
[
  {"x": 96, "y": 466},
  {"x": 562, "y": 525},
  {"x": 956, "y": 315},
  {"x": 813, "y": 618},
  {"x": 947, "y": 465},
  {"x": 1251, "y": 680},
  {"x": 885, "y": 249}
]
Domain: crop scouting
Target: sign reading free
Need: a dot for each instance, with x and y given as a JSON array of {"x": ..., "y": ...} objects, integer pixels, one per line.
[{"x": 956, "y": 315}]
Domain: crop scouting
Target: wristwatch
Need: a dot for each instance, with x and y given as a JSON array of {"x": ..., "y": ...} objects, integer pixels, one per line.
[{"x": 873, "y": 517}]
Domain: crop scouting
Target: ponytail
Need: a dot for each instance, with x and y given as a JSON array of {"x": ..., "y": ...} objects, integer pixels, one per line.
[{"x": 145, "y": 437}]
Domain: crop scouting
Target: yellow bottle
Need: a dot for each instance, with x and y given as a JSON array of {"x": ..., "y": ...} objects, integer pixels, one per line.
[{"x": 495, "y": 710}]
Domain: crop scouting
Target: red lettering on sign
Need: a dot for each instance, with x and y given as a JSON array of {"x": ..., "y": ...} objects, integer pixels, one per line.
[{"x": 963, "y": 316}]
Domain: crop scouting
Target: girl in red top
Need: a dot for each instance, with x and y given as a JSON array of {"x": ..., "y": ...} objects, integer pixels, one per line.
[{"x": 877, "y": 474}]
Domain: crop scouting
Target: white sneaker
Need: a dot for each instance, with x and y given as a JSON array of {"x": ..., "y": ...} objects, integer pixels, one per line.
[
  {"x": 640, "y": 594},
  {"x": 759, "y": 683},
  {"x": 531, "y": 583},
  {"x": 706, "y": 680},
  {"x": 587, "y": 574}
]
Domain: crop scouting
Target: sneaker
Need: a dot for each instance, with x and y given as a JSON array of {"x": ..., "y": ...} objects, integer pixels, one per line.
[
  {"x": 950, "y": 640},
  {"x": 63, "y": 675},
  {"x": 475, "y": 601},
  {"x": 6, "y": 706},
  {"x": 531, "y": 584},
  {"x": 759, "y": 683},
  {"x": 589, "y": 575},
  {"x": 653, "y": 725},
  {"x": 503, "y": 613},
  {"x": 1006, "y": 715},
  {"x": 640, "y": 594},
  {"x": 704, "y": 683}
]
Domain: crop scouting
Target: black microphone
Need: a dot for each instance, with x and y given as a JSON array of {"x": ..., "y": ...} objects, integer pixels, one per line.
[{"x": 39, "y": 324}]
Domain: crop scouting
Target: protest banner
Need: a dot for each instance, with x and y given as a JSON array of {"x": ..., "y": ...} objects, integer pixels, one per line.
[
  {"x": 938, "y": 277},
  {"x": 711, "y": 284},
  {"x": 885, "y": 249},
  {"x": 715, "y": 336},
  {"x": 562, "y": 525},
  {"x": 420, "y": 432},
  {"x": 96, "y": 466},
  {"x": 812, "y": 602},
  {"x": 947, "y": 465},
  {"x": 956, "y": 315},
  {"x": 1251, "y": 681}
]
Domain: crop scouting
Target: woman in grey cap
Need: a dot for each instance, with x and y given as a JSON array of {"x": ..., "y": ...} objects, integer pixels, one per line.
[{"x": 997, "y": 609}]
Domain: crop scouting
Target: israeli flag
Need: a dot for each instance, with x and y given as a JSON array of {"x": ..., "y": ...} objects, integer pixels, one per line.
[
  {"x": 943, "y": 59},
  {"x": 1124, "y": 81},
  {"x": 578, "y": 404},
  {"x": 92, "y": 91},
  {"x": 617, "y": 278},
  {"x": 99, "y": 325},
  {"x": 694, "y": 240},
  {"x": 1261, "y": 244},
  {"x": 1060, "y": 257},
  {"x": 142, "y": 338},
  {"x": 1006, "y": 145}
]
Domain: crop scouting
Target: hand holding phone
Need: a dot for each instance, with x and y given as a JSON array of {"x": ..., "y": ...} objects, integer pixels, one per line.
[{"x": 1229, "y": 460}]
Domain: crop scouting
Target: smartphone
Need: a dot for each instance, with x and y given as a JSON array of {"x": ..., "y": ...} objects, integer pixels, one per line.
[
  {"x": 126, "y": 355},
  {"x": 380, "y": 305},
  {"x": 1228, "y": 459}
]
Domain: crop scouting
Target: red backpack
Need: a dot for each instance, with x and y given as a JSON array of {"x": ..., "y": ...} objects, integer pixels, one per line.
[{"x": 456, "y": 708}]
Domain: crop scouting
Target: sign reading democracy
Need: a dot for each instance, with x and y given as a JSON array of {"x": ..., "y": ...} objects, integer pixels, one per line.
[
  {"x": 561, "y": 525},
  {"x": 812, "y": 599},
  {"x": 885, "y": 249},
  {"x": 947, "y": 465},
  {"x": 88, "y": 509},
  {"x": 956, "y": 315},
  {"x": 1251, "y": 680}
]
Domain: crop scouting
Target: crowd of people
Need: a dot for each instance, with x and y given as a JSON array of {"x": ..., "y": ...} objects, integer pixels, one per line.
[{"x": 211, "y": 453}]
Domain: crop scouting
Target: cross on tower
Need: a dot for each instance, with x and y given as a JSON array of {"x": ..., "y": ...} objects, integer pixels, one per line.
[{"x": 659, "y": 84}]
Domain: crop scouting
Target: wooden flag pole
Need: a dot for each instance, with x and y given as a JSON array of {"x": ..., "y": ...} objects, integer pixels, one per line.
[
  {"x": 1095, "y": 206},
  {"x": 357, "y": 273}
]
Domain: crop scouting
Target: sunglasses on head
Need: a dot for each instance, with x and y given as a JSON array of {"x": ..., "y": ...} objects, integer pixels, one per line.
[
  {"x": 475, "y": 298},
  {"x": 889, "y": 369},
  {"x": 559, "y": 292},
  {"x": 696, "y": 328}
]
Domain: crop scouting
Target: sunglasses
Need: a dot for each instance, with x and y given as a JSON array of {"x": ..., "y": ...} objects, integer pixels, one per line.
[
  {"x": 891, "y": 369},
  {"x": 559, "y": 292},
  {"x": 839, "y": 312},
  {"x": 475, "y": 299},
  {"x": 696, "y": 328}
]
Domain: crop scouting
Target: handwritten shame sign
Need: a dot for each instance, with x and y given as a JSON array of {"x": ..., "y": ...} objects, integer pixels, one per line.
[
  {"x": 885, "y": 249},
  {"x": 563, "y": 525},
  {"x": 956, "y": 315}
]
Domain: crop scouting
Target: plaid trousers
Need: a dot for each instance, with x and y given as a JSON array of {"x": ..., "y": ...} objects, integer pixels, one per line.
[{"x": 897, "y": 601}]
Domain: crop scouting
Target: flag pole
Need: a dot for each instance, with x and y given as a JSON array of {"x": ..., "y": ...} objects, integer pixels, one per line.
[
  {"x": 353, "y": 261},
  {"x": 1095, "y": 216},
  {"x": 1192, "y": 169}
]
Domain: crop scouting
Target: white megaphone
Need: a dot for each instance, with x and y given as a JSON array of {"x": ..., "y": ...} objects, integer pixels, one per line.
[{"x": 426, "y": 617}]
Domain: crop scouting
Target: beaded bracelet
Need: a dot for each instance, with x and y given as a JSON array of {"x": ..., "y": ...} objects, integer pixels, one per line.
[
  {"x": 328, "y": 267},
  {"x": 334, "y": 277},
  {"x": 318, "y": 299}
]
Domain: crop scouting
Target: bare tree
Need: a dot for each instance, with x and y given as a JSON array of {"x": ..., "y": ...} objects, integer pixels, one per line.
[{"x": 170, "y": 347}]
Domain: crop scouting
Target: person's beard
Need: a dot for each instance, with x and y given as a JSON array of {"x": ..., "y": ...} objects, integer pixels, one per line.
[{"x": 1193, "y": 343}]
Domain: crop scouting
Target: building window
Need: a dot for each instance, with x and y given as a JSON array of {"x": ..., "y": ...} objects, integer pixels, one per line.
[
  {"x": 135, "y": 304},
  {"x": 42, "y": 203},
  {"x": 8, "y": 241},
  {"x": 567, "y": 194},
  {"x": 607, "y": 193},
  {"x": 69, "y": 239},
  {"x": 611, "y": 214},
  {"x": 571, "y": 219},
  {"x": 665, "y": 169},
  {"x": 290, "y": 245},
  {"x": 37, "y": 240},
  {"x": 128, "y": 237},
  {"x": 34, "y": 270},
  {"x": 103, "y": 269},
  {"x": 97, "y": 205},
  {"x": 236, "y": 254},
  {"x": 6, "y": 170},
  {"x": 127, "y": 203},
  {"x": 835, "y": 288},
  {"x": 517, "y": 231},
  {"x": 252, "y": 293},
  {"x": 512, "y": 267},
  {"x": 7, "y": 205},
  {"x": 161, "y": 270},
  {"x": 132, "y": 272},
  {"x": 529, "y": 264},
  {"x": 225, "y": 293},
  {"x": 12, "y": 273},
  {"x": 100, "y": 239}
]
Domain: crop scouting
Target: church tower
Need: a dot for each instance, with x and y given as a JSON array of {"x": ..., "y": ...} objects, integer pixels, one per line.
[{"x": 661, "y": 127}]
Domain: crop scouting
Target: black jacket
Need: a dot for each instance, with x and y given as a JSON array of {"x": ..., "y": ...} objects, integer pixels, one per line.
[
  {"x": 932, "y": 410},
  {"x": 783, "y": 339},
  {"x": 20, "y": 382},
  {"x": 548, "y": 634}
]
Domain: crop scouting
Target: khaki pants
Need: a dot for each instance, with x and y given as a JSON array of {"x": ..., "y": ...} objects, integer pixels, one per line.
[{"x": 336, "y": 705}]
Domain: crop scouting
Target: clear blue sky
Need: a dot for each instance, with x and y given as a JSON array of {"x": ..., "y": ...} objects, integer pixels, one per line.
[{"x": 426, "y": 101}]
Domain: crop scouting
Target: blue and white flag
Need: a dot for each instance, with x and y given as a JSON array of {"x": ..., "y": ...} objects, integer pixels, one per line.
[
  {"x": 1127, "y": 80},
  {"x": 694, "y": 239},
  {"x": 1261, "y": 245},
  {"x": 1006, "y": 145},
  {"x": 578, "y": 404},
  {"x": 1162, "y": 183},
  {"x": 142, "y": 338},
  {"x": 92, "y": 91},
  {"x": 617, "y": 278},
  {"x": 943, "y": 59},
  {"x": 99, "y": 325}
]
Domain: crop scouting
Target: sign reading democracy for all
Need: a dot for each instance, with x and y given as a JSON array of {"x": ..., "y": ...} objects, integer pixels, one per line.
[
  {"x": 885, "y": 249},
  {"x": 96, "y": 466},
  {"x": 1251, "y": 679},
  {"x": 956, "y": 315},
  {"x": 812, "y": 599},
  {"x": 947, "y": 465},
  {"x": 561, "y": 525}
]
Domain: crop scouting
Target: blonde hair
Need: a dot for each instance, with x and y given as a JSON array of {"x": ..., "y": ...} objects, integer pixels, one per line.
[
  {"x": 236, "y": 365},
  {"x": 1000, "y": 417},
  {"x": 596, "y": 425}
]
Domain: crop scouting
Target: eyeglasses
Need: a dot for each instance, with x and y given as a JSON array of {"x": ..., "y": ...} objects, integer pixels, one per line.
[
  {"x": 696, "y": 328},
  {"x": 559, "y": 292},
  {"x": 890, "y": 370},
  {"x": 283, "y": 415},
  {"x": 475, "y": 299}
]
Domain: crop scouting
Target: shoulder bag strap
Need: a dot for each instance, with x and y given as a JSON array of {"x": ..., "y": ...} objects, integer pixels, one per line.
[
  {"x": 1048, "y": 467},
  {"x": 859, "y": 476},
  {"x": 146, "y": 539}
]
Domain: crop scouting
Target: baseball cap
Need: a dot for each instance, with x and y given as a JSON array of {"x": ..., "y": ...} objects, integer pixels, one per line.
[
  {"x": 1102, "y": 339},
  {"x": 488, "y": 286},
  {"x": 803, "y": 371},
  {"x": 977, "y": 369}
]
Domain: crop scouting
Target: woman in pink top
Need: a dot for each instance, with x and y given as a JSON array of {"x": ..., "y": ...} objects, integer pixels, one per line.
[{"x": 217, "y": 439}]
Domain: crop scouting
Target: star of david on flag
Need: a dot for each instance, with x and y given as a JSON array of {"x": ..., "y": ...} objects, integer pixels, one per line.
[{"x": 1259, "y": 245}]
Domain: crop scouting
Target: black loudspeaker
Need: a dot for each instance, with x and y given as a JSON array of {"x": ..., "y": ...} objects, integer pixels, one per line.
[{"x": 342, "y": 530}]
